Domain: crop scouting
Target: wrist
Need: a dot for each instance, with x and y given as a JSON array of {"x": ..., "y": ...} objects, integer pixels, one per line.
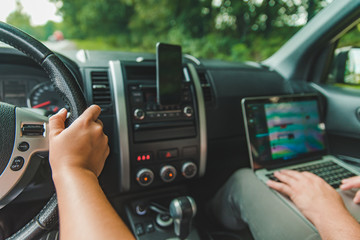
[
  {"x": 71, "y": 173},
  {"x": 319, "y": 218}
]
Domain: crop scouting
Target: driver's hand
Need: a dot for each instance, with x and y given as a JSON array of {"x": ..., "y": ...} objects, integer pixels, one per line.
[{"x": 81, "y": 147}]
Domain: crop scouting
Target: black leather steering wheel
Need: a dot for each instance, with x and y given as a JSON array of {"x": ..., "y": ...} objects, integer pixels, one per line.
[{"x": 19, "y": 126}]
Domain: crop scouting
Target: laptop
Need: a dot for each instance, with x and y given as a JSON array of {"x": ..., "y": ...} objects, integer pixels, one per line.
[{"x": 288, "y": 132}]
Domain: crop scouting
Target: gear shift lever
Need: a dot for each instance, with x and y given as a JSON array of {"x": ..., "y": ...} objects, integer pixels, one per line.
[{"x": 182, "y": 210}]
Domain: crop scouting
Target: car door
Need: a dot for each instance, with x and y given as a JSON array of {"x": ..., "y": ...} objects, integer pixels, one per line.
[
  {"x": 341, "y": 87},
  {"x": 317, "y": 59}
]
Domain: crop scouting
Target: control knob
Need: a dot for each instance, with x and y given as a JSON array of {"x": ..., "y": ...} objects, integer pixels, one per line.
[
  {"x": 139, "y": 114},
  {"x": 189, "y": 169},
  {"x": 145, "y": 177},
  {"x": 188, "y": 111},
  {"x": 167, "y": 173}
]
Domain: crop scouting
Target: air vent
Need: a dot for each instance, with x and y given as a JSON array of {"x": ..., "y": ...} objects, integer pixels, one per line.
[
  {"x": 205, "y": 85},
  {"x": 101, "y": 89}
]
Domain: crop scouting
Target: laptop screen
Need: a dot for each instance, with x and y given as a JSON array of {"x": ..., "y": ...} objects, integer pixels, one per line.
[{"x": 283, "y": 129}]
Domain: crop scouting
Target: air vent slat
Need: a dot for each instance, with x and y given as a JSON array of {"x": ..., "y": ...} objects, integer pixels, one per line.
[
  {"x": 205, "y": 85},
  {"x": 101, "y": 89},
  {"x": 102, "y": 98}
]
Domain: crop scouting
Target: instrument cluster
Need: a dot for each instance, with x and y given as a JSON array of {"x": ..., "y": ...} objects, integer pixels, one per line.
[{"x": 32, "y": 93}]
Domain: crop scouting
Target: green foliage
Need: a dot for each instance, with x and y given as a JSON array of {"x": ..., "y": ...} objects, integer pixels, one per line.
[
  {"x": 86, "y": 19},
  {"x": 226, "y": 29},
  {"x": 234, "y": 30},
  {"x": 351, "y": 38},
  {"x": 21, "y": 20}
]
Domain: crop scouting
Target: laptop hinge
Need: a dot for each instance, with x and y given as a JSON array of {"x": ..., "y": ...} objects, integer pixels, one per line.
[{"x": 282, "y": 165}]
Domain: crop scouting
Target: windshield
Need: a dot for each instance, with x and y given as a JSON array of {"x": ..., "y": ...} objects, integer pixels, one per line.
[{"x": 233, "y": 30}]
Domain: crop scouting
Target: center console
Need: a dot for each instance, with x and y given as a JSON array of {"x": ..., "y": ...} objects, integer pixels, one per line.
[
  {"x": 159, "y": 144},
  {"x": 159, "y": 153},
  {"x": 162, "y": 141}
]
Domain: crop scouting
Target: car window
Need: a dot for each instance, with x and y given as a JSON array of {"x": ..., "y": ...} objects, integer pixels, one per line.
[
  {"x": 222, "y": 29},
  {"x": 345, "y": 68}
]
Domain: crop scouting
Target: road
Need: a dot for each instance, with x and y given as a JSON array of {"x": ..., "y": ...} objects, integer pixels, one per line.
[{"x": 60, "y": 45}]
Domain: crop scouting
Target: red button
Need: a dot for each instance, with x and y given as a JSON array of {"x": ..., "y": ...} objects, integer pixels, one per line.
[{"x": 167, "y": 154}]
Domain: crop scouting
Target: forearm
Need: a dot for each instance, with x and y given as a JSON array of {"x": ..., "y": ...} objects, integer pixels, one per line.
[
  {"x": 337, "y": 225},
  {"x": 85, "y": 212}
]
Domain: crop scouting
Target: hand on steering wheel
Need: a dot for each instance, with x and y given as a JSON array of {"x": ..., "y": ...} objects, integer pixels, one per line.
[
  {"x": 91, "y": 148},
  {"x": 17, "y": 167}
]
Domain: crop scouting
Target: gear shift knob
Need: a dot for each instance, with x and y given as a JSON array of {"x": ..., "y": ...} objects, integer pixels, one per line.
[{"x": 182, "y": 210}]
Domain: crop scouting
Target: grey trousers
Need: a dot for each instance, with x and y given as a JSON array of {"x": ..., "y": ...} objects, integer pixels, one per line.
[{"x": 245, "y": 200}]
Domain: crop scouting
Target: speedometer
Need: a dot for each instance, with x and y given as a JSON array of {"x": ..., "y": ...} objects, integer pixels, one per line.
[{"x": 44, "y": 96}]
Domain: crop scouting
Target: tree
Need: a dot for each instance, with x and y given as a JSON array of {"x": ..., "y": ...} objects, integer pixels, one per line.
[
  {"x": 85, "y": 18},
  {"x": 20, "y": 19},
  {"x": 226, "y": 29}
]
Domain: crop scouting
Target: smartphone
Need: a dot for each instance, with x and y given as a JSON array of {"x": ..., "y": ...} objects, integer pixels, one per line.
[{"x": 169, "y": 74}]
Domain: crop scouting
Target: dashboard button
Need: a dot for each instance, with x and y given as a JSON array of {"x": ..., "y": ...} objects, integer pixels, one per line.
[
  {"x": 151, "y": 115},
  {"x": 168, "y": 173},
  {"x": 145, "y": 177},
  {"x": 17, "y": 164},
  {"x": 168, "y": 154},
  {"x": 188, "y": 111},
  {"x": 139, "y": 229},
  {"x": 149, "y": 227},
  {"x": 23, "y": 146},
  {"x": 134, "y": 87},
  {"x": 139, "y": 114},
  {"x": 189, "y": 169},
  {"x": 137, "y": 97}
]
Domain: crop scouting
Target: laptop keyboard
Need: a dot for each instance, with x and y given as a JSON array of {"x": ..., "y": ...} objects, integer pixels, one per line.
[{"x": 331, "y": 172}]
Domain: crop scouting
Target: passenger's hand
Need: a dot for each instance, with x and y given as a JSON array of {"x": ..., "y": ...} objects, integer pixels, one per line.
[
  {"x": 81, "y": 147},
  {"x": 311, "y": 194},
  {"x": 350, "y": 183}
]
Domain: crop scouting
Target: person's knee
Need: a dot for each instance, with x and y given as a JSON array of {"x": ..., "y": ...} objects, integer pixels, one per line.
[
  {"x": 244, "y": 171},
  {"x": 240, "y": 175}
]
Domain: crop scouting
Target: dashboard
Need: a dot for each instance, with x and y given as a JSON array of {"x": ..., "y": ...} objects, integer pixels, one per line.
[{"x": 151, "y": 145}]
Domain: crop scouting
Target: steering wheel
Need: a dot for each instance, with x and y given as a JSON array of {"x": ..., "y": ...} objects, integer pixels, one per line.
[{"x": 24, "y": 136}]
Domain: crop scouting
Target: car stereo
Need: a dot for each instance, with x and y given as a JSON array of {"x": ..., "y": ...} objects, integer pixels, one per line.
[{"x": 147, "y": 114}]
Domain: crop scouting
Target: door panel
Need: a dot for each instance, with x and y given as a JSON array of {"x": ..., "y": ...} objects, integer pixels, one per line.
[{"x": 342, "y": 119}]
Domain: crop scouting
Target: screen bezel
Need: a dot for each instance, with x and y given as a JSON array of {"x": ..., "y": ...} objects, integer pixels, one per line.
[
  {"x": 275, "y": 163},
  {"x": 164, "y": 98}
]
